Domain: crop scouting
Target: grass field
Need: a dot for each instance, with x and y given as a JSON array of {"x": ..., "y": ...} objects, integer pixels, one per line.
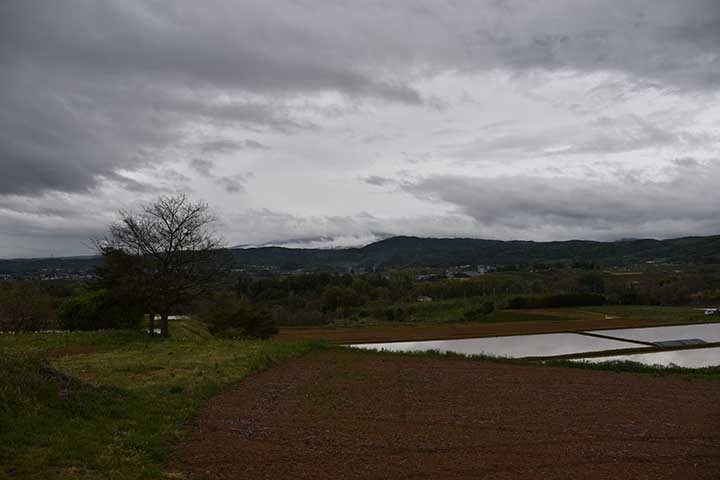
[
  {"x": 454, "y": 310},
  {"x": 144, "y": 389},
  {"x": 644, "y": 312},
  {"x": 438, "y": 324}
]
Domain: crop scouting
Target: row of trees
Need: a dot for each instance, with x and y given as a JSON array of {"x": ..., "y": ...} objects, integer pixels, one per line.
[
  {"x": 165, "y": 258},
  {"x": 330, "y": 294}
]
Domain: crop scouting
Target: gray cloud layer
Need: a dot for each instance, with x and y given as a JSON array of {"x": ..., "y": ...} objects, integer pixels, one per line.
[
  {"x": 683, "y": 203},
  {"x": 91, "y": 93},
  {"x": 88, "y": 87}
]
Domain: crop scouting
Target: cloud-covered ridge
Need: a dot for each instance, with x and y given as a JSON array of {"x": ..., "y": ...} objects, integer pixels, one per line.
[{"x": 541, "y": 207}]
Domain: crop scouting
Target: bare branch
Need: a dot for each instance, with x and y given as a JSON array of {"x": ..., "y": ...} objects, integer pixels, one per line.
[{"x": 179, "y": 252}]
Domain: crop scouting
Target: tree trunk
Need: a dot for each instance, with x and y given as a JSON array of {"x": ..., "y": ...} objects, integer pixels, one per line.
[
  {"x": 151, "y": 324},
  {"x": 164, "y": 330}
]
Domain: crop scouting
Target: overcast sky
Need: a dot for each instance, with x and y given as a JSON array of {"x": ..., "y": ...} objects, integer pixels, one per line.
[{"x": 342, "y": 121}]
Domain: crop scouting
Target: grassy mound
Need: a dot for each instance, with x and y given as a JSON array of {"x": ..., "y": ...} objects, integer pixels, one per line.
[
  {"x": 35, "y": 402},
  {"x": 113, "y": 409}
]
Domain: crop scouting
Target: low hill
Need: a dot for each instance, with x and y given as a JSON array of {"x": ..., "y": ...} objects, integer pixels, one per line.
[
  {"x": 443, "y": 252},
  {"x": 399, "y": 252}
]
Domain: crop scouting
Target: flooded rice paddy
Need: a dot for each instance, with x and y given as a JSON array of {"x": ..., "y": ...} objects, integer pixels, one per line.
[
  {"x": 694, "y": 358},
  {"x": 555, "y": 344},
  {"x": 709, "y": 332},
  {"x": 512, "y": 346}
]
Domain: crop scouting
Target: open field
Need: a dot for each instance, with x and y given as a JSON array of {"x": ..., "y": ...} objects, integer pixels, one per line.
[
  {"x": 349, "y": 414},
  {"x": 125, "y": 424},
  {"x": 114, "y": 405},
  {"x": 516, "y": 322}
]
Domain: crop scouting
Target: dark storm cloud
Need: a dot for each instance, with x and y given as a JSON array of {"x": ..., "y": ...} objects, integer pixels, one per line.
[
  {"x": 43, "y": 226},
  {"x": 226, "y": 44},
  {"x": 683, "y": 203},
  {"x": 671, "y": 43},
  {"x": 91, "y": 87},
  {"x": 63, "y": 133},
  {"x": 230, "y": 146},
  {"x": 202, "y": 166},
  {"x": 132, "y": 185},
  {"x": 253, "y": 144},
  {"x": 88, "y": 88},
  {"x": 378, "y": 181},
  {"x": 686, "y": 162},
  {"x": 233, "y": 184}
]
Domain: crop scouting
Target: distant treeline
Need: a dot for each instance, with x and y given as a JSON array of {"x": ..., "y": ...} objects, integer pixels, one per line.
[{"x": 252, "y": 303}]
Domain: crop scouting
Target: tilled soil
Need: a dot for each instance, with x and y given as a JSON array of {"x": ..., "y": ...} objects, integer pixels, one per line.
[
  {"x": 384, "y": 333},
  {"x": 347, "y": 414}
]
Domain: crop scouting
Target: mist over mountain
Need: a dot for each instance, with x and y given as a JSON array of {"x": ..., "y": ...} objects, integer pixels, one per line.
[{"x": 322, "y": 241}]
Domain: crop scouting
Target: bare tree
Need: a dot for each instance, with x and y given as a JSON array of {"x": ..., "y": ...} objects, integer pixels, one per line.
[{"x": 178, "y": 255}]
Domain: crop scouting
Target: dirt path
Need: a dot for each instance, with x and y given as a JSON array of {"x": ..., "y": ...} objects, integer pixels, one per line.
[
  {"x": 385, "y": 333},
  {"x": 347, "y": 414}
]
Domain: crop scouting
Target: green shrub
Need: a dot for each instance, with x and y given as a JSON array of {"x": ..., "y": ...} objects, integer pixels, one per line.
[
  {"x": 339, "y": 298},
  {"x": 297, "y": 318},
  {"x": 24, "y": 307},
  {"x": 519, "y": 302},
  {"x": 636, "y": 298},
  {"x": 561, "y": 300},
  {"x": 240, "y": 320},
  {"x": 479, "y": 313},
  {"x": 95, "y": 311},
  {"x": 395, "y": 314}
]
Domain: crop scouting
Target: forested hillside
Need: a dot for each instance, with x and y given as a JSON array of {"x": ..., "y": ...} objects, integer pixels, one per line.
[{"x": 400, "y": 252}]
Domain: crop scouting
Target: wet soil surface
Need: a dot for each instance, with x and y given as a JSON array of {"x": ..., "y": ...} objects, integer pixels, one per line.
[
  {"x": 384, "y": 333},
  {"x": 348, "y": 414}
]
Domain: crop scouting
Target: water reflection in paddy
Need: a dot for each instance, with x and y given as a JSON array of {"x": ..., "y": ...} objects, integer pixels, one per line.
[
  {"x": 709, "y": 332},
  {"x": 695, "y": 358},
  {"x": 511, "y": 346}
]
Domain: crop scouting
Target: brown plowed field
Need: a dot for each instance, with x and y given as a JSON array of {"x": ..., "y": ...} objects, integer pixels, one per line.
[
  {"x": 384, "y": 333},
  {"x": 346, "y": 414}
]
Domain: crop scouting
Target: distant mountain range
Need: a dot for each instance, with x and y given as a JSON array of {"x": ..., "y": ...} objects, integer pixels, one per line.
[
  {"x": 399, "y": 252},
  {"x": 443, "y": 252}
]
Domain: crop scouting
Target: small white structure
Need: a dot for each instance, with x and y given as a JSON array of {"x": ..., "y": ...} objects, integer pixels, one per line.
[
  {"x": 424, "y": 299},
  {"x": 712, "y": 311}
]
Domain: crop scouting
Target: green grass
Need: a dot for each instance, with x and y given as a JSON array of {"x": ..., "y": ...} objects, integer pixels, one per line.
[
  {"x": 453, "y": 310},
  {"x": 620, "y": 366},
  {"x": 706, "y": 373},
  {"x": 39, "y": 343},
  {"x": 446, "y": 355},
  {"x": 647, "y": 312},
  {"x": 125, "y": 427}
]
